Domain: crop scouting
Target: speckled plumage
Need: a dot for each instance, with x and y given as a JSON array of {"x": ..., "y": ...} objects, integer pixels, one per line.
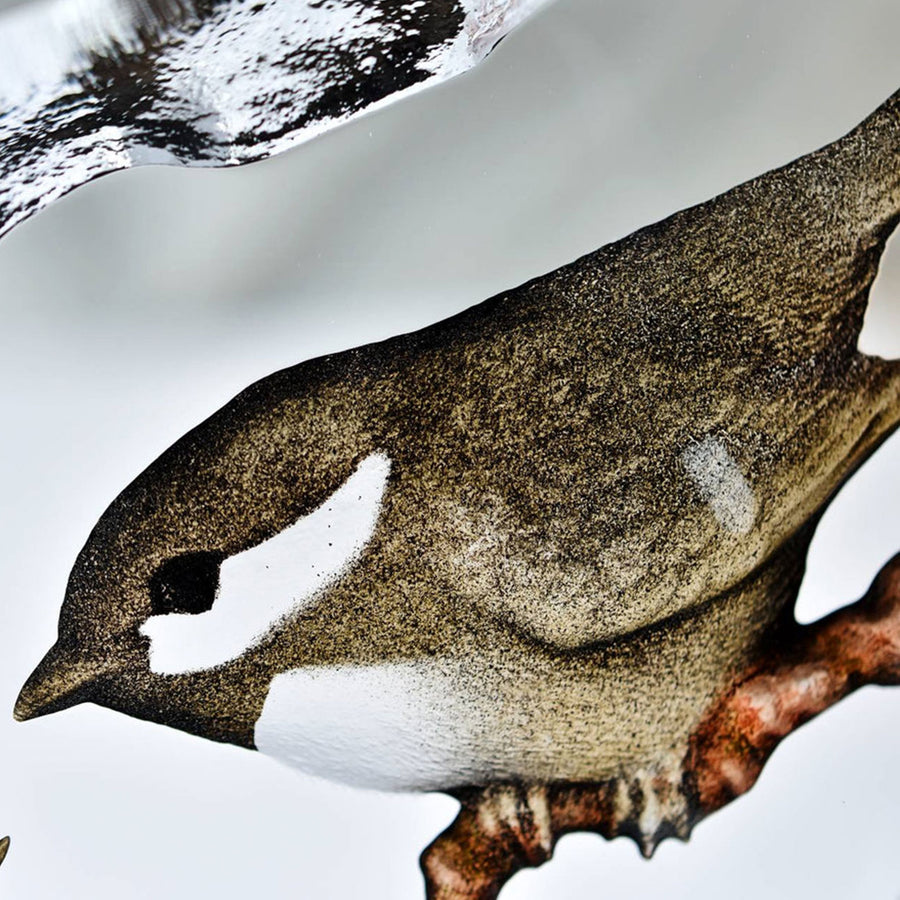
[{"x": 603, "y": 485}]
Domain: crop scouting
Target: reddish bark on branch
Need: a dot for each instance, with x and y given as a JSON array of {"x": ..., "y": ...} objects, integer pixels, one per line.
[{"x": 504, "y": 828}]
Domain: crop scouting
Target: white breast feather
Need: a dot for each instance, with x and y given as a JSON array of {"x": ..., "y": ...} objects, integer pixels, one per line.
[{"x": 396, "y": 726}]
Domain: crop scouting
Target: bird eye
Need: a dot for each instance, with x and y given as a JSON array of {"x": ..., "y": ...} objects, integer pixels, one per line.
[{"x": 186, "y": 583}]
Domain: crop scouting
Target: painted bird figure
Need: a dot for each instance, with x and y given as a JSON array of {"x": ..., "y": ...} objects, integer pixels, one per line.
[{"x": 542, "y": 555}]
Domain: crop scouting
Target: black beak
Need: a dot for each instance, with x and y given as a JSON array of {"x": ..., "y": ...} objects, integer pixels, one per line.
[{"x": 59, "y": 681}]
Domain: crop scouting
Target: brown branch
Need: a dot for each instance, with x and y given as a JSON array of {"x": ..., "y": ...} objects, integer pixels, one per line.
[
  {"x": 795, "y": 681},
  {"x": 503, "y": 828}
]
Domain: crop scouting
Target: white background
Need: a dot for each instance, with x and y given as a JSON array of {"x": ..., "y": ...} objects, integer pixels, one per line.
[{"x": 137, "y": 306}]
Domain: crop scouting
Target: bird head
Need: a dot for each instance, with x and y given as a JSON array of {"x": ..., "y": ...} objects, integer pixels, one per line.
[
  {"x": 197, "y": 564},
  {"x": 155, "y": 554}
]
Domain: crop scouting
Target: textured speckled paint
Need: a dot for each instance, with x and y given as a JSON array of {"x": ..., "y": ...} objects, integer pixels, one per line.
[{"x": 602, "y": 489}]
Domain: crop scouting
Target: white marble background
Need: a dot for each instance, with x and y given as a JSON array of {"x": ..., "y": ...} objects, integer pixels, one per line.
[{"x": 138, "y": 305}]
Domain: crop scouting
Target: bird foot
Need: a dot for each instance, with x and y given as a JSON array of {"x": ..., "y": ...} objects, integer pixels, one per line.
[{"x": 799, "y": 672}]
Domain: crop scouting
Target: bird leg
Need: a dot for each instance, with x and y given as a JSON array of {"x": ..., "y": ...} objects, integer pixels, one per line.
[{"x": 799, "y": 672}]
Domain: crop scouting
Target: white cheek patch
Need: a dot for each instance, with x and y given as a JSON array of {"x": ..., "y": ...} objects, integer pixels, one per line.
[
  {"x": 261, "y": 586},
  {"x": 396, "y": 726},
  {"x": 721, "y": 484}
]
